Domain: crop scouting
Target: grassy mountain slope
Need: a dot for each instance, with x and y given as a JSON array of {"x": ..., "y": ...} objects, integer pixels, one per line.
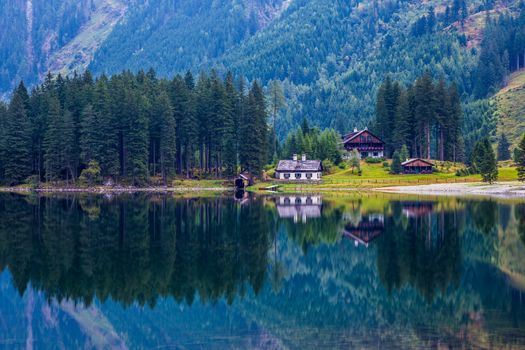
[{"x": 510, "y": 108}]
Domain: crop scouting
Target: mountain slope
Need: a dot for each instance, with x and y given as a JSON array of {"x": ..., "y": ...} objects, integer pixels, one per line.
[
  {"x": 56, "y": 35},
  {"x": 510, "y": 108},
  {"x": 176, "y": 36}
]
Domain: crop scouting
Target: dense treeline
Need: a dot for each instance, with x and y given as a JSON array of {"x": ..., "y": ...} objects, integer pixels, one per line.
[
  {"x": 502, "y": 51},
  {"x": 425, "y": 116},
  {"x": 133, "y": 126}
]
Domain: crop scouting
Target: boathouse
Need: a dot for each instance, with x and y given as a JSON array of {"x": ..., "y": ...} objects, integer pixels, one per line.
[
  {"x": 417, "y": 166},
  {"x": 365, "y": 142},
  {"x": 244, "y": 180}
]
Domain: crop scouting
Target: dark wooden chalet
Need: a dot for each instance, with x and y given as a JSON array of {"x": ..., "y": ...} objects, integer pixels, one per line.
[
  {"x": 417, "y": 166},
  {"x": 368, "y": 229},
  {"x": 365, "y": 142}
]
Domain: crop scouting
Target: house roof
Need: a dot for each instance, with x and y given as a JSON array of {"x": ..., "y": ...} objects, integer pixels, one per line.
[
  {"x": 349, "y": 137},
  {"x": 299, "y": 165},
  {"x": 417, "y": 162}
]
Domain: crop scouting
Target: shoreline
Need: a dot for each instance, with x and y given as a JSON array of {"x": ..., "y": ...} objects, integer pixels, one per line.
[
  {"x": 497, "y": 189},
  {"x": 113, "y": 190}
]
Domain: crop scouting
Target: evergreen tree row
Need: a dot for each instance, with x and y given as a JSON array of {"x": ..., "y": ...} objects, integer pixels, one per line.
[
  {"x": 133, "y": 127},
  {"x": 425, "y": 116}
]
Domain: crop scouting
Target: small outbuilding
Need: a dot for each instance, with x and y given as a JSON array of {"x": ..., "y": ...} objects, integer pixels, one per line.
[
  {"x": 417, "y": 166},
  {"x": 244, "y": 180},
  {"x": 299, "y": 170}
]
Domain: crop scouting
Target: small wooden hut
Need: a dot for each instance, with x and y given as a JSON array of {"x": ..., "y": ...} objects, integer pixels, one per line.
[
  {"x": 417, "y": 166},
  {"x": 244, "y": 180}
]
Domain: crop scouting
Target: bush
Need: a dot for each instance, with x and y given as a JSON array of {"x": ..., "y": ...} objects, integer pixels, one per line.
[
  {"x": 343, "y": 166},
  {"x": 463, "y": 172},
  {"x": 33, "y": 181},
  {"x": 328, "y": 166},
  {"x": 91, "y": 175},
  {"x": 371, "y": 160},
  {"x": 386, "y": 164}
]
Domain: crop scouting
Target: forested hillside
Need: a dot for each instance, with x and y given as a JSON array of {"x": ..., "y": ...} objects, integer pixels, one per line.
[
  {"x": 331, "y": 56},
  {"x": 34, "y": 31}
]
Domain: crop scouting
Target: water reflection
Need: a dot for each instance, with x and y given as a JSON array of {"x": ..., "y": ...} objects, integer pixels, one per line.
[{"x": 426, "y": 273}]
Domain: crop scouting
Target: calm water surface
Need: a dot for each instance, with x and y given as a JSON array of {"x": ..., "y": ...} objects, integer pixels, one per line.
[{"x": 308, "y": 272}]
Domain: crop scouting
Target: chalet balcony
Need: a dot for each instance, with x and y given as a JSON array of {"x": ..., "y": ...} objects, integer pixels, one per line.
[{"x": 365, "y": 148}]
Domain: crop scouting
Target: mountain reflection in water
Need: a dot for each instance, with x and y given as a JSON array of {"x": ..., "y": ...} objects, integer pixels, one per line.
[{"x": 297, "y": 271}]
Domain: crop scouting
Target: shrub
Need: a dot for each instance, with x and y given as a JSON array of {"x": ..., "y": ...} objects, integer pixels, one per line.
[
  {"x": 371, "y": 160},
  {"x": 32, "y": 181},
  {"x": 91, "y": 175},
  {"x": 386, "y": 164},
  {"x": 328, "y": 166}
]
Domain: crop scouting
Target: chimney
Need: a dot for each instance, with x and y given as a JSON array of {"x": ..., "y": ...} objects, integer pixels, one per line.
[
  {"x": 304, "y": 157},
  {"x": 355, "y": 129},
  {"x": 294, "y": 157},
  {"x": 366, "y": 127}
]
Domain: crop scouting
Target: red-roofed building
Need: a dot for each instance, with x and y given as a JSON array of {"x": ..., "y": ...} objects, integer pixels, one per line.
[{"x": 366, "y": 143}]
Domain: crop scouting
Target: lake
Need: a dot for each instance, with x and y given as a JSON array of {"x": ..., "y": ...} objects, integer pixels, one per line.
[{"x": 261, "y": 272}]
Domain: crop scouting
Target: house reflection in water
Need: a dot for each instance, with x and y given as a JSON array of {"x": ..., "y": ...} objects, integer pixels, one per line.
[
  {"x": 417, "y": 209},
  {"x": 369, "y": 228},
  {"x": 299, "y": 207}
]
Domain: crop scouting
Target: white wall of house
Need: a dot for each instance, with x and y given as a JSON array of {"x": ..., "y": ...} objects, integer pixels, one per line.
[
  {"x": 299, "y": 176},
  {"x": 363, "y": 155}
]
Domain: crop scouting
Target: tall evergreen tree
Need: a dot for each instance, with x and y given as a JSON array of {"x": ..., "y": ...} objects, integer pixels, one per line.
[
  {"x": 168, "y": 144},
  {"x": 53, "y": 140},
  {"x": 18, "y": 140},
  {"x": 520, "y": 159},
  {"x": 503, "y": 148}
]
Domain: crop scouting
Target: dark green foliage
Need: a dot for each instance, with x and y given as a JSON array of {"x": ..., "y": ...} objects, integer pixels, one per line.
[
  {"x": 396, "y": 167},
  {"x": 17, "y": 143},
  {"x": 502, "y": 51},
  {"x": 503, "y": 148},
  {"x": 426, "y": 117},
  {"x": 133, "y": 126},
  {"x": 519, "y": 159},
  {"x": 91, "y": 175},
  {"x": 484, "y": 161},
  {"x": 254, "y": 132},
  {"x": 314, "y": 144}
]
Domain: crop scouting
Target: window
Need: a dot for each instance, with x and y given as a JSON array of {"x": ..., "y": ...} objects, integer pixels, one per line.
[
  {"x": 298, "y": 200},
  {"x": 309, "y": 200},
  {"x": 376, "y": 154},
  {"x": 364, "y": 154},
  {"x": 286, "y": 176},
  {"x": 309, "y": 175},
  {"x": 287, "y": 200},
  {"x": 297, "y": 175}
]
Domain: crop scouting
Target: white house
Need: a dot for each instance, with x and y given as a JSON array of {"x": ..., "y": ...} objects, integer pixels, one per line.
[{"x": 299, "y": 170}]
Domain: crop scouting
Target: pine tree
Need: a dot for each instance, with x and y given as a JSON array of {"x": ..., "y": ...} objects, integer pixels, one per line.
[
  {"x": 52, "y": 140},
  {"x": 396, "y": 167},
  {"x": 168, "y": 144},
  {"x": 3, "y": 145},
  {"x": 90, "y": 140},
  {"x": 404, "y": 154},
  {"x": 503, "y": 148},
  {"x": 229, "y": 139},
  {"x": 18, "y": 140},
  {"x": 108, "y": 129},
  {"x": 486, "y": 161},
  {"x": 520, "y": 159},
  {"x": 253, "y": 133},
  {"x": 276, "y": 102},
  {"x": 135, "y": 139}
]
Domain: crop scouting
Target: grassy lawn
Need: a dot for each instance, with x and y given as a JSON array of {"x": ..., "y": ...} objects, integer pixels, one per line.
[{"x": 375, "y": 175}]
